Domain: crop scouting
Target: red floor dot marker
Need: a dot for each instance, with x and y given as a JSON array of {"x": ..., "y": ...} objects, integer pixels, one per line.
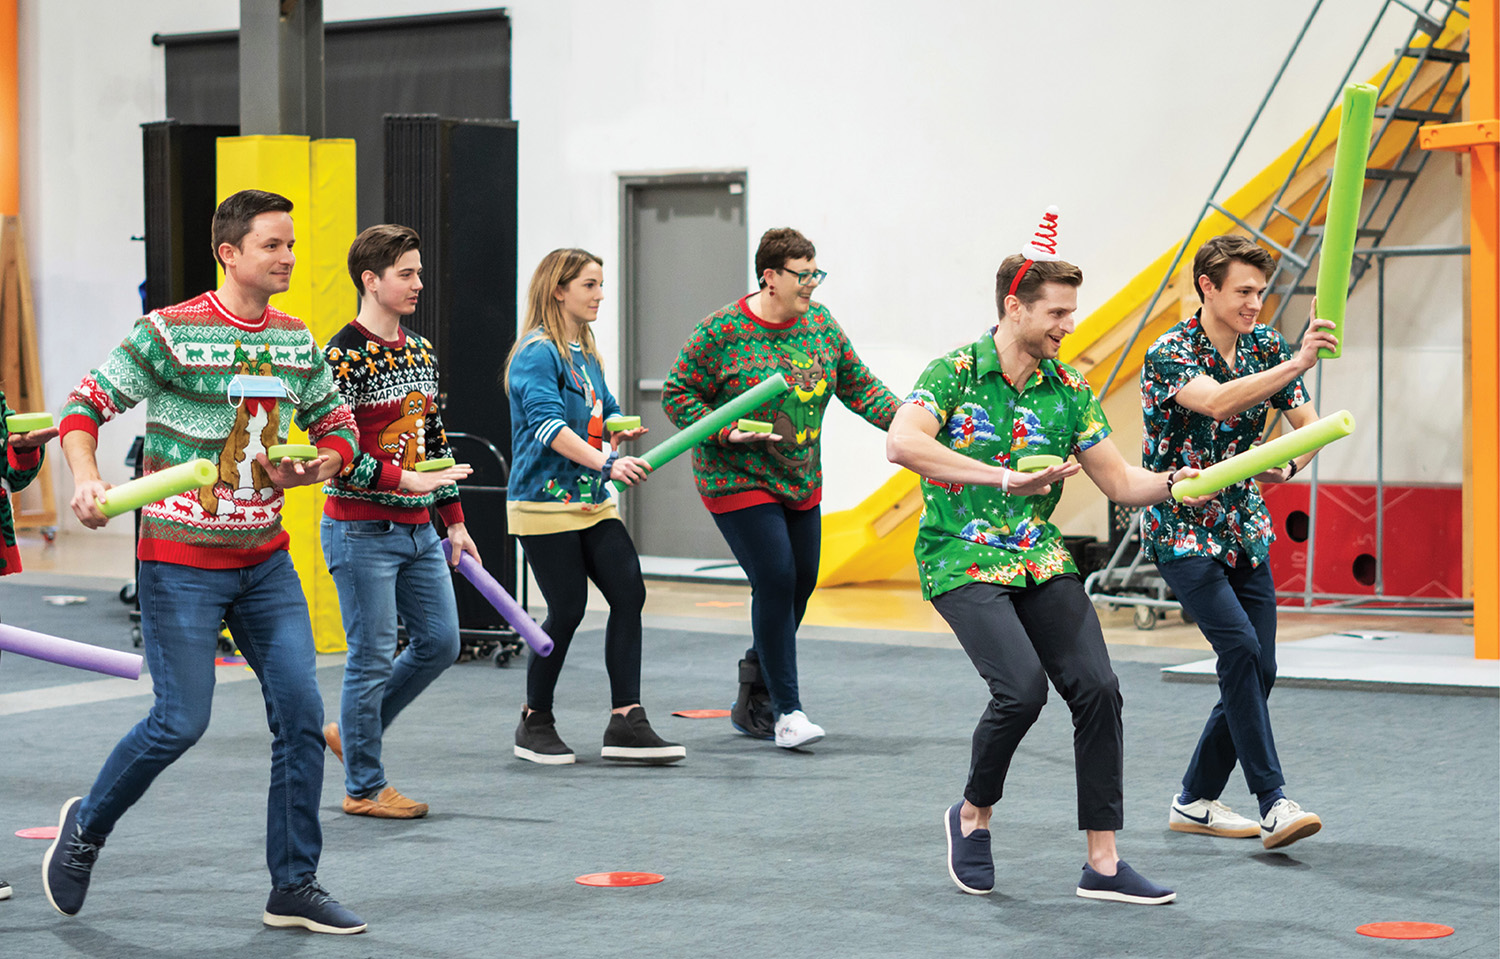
[
  {"x": 1404, "y": 930},
  {"x": 229, "y": 661},
  {"x": 38, "y": 832},
  {"x": 619, "y": 879},
  {"x": 702, "y": 713}
]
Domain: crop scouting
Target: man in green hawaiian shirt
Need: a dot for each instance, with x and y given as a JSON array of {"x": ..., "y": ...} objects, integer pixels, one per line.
[
  {"x": 996, "y": 569},
  {"x": 1206, "y": 388}
]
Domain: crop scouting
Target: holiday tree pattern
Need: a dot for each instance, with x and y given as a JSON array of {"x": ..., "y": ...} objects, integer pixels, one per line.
[
  {"x": 181, "y": 361},
  {"x": 733, "y": 350}
]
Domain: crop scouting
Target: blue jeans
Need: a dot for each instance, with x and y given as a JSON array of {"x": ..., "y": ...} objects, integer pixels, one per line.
[
  {"x": 384, "y": 570},
  {"x": 1236, "y": 609},
  {"x": 181, "y": 608},
  {"x": 778, "y": 548}
]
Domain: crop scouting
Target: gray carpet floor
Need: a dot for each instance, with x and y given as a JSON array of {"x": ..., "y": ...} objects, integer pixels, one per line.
[{"x": 833, "y": 851}]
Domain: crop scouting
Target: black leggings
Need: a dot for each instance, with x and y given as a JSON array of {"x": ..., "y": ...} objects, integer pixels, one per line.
[{"x": 563, "y": 563}]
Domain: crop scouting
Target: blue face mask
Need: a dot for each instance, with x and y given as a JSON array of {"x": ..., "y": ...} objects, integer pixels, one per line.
[{"x": 245, "y": 385}]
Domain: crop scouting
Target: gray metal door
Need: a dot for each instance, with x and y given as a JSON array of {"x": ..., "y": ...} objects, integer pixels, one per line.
[{"x": 685, "y": 255}]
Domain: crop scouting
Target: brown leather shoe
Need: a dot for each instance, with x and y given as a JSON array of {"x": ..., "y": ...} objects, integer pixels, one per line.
[
  {"x": 335, "y": 744},
  {"x": 388, "y": 805}
]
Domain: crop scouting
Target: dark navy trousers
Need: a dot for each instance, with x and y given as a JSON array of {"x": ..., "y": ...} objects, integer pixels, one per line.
[{"x": 1236, "y": 609}]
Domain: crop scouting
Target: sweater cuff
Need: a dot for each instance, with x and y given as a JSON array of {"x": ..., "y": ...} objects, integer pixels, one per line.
[
  {"x": 451, "y": 513},
  {"x": 337, "y": 444},
  {"x": 78, "y": 421},
  {"x": 389, "y": 477},
  {"x": 24, "y": 459}
]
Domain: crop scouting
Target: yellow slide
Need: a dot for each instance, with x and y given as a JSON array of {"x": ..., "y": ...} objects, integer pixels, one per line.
[{"x": 874, "y": 540}]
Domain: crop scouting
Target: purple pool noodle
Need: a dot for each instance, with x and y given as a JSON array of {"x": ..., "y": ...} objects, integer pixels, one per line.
[
  {"x": 66, "y": 652},
  {"x": 503, "y": 602}
]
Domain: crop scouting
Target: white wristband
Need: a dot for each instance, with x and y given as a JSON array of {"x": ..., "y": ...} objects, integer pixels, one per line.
[{"x": 1005, "y": 475}]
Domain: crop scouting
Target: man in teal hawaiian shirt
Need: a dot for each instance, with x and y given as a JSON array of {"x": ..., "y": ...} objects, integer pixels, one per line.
[
  {"x": 996, "y": 569},
  {"x": 1206, "y": 387}
]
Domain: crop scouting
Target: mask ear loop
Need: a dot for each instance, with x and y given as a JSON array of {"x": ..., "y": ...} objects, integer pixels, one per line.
[{"x": 229, "y": 393}]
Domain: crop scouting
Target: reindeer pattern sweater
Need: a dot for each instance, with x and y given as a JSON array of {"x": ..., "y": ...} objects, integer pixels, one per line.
[
  {"x": 181, "y": 361},
  {"x": 391, "y": 386}
]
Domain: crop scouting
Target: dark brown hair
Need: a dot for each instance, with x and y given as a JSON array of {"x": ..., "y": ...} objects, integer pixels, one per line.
[
  {"x": 1213, "y": 258},
  {"x": 233, "y": 217},
  {"x": 377, "y": 249},
  {"x": 776, "y": 247},
  {"x": 1030, "y": 288}
]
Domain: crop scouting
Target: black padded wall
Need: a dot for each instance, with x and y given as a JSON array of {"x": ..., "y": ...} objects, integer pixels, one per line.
[{"x": 180, "y": 175}]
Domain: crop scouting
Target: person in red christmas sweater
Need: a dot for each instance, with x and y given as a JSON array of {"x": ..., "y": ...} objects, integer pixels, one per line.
[
  {"x": 18, "y": 467},
  {"x": 222, "y": 375},
  {"x": 764, "y": 489},
  {"x": 377, "y": 533}
]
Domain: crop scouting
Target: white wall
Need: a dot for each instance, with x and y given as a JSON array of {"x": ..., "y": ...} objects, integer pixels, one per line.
[{"x": 916, "y": 146}]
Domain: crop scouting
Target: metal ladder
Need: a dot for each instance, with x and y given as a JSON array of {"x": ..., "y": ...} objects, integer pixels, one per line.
[{"x": 1396, "y": 160}]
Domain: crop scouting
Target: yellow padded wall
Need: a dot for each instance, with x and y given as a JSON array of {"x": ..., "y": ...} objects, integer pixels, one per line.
[{"x": 318, "y": 177}]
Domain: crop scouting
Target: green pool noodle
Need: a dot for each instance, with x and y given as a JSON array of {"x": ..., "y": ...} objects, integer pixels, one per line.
[
  {"x": 26, "y": 422},
  {"x": 427, "y": 466},
  {"x": 1266, "y": 456},
  {"x": 752, "y": 426},
  {"x": 1038, "y": 462},
  {"x": 295, "y": 451},
  {"x": 622, "y": 423},
  {"x": 158, "y": 486},
  {"x": 679, "y": 443},
  {"x": 1340, "y": 229}
]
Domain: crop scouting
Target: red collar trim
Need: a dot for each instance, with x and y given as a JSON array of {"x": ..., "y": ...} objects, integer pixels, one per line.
[
  {"x": 744, "y": 306},
  {"x": 397, "y": 343},
  {"x": 255, "y": 325}
]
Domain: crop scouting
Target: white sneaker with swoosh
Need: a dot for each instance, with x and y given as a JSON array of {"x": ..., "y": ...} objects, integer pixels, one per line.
[
  {"x": 1285, "y": 823},
  {"x": 1211, "y": 818}
]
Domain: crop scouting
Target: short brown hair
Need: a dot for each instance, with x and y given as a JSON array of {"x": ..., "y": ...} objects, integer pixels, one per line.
[
  {"x": 1213, "y": 258},
  {"x": 776, "y": 247},
  {"x": 377, "y": 249},
  {"x": 1029, "y": 290},
  {"x": 233, "y": 217}
]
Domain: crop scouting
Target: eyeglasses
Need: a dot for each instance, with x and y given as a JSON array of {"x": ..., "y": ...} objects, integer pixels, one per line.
[{"x": 806, "y": 276}]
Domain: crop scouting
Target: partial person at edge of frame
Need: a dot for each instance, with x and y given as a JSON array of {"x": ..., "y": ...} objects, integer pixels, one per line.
[
  {"x": 764, "y": 490},
  {"x": 560, "y": 506}
]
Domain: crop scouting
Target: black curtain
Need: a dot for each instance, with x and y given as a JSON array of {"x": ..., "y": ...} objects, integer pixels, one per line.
[{"x": 455, "y": 65}]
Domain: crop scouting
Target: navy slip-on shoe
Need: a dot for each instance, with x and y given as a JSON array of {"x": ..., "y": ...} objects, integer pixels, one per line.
[
  {"x": 969, "y": 861},
  {"x": 1126, "y": 885}
]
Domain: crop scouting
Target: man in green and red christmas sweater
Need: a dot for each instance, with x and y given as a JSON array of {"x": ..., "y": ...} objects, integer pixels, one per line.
[
  {"x": 764, "y": 489},
  {"x": 221, "y": 376}
]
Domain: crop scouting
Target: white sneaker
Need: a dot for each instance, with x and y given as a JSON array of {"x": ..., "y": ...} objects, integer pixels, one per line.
[
  {"x": 1285, "y": 823},
  {"x": 794, "y": 729},
  {"x": 1211, "y": 818}
]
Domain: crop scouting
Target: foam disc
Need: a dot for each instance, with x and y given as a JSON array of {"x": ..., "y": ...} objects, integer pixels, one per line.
[
  {"x": 702, "y": 713},
  {"x": 38, "y": 832},
  {"x": 619, "y": 879},
  {"x": 1404, "y": 930},
  {"x": 427, "y": 466},
  {"x": 229, "y": 661},
  {"x": 293, "y": 451},
  {"x": 619, "y": 424},
  {"x": 753, "y": 426},
  {"x": 1038, "y": 462},
  {"x": 26, "y": 422}
]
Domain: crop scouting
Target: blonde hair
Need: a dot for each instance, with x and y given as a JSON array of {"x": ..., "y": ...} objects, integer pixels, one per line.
[{"x": 544, "y": 315}]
